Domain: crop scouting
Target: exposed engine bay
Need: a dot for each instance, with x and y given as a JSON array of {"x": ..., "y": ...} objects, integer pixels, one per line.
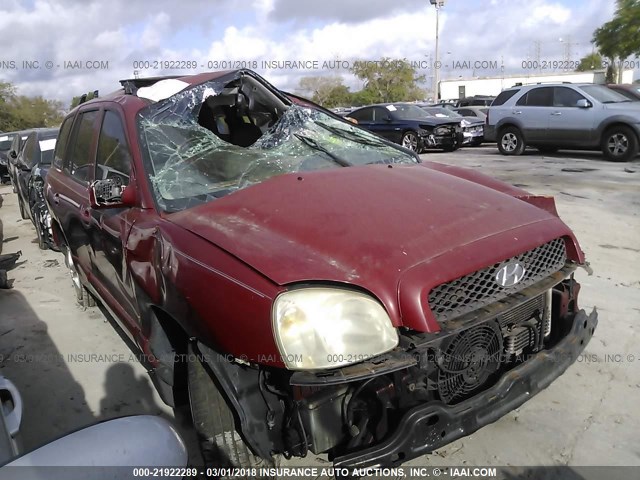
[{"x": 349, "y": 409}]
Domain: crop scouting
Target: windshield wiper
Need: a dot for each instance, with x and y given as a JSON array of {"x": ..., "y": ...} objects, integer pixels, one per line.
[
  {"x": 351, "y": 135},
  {"x": 310, "y": 142}
]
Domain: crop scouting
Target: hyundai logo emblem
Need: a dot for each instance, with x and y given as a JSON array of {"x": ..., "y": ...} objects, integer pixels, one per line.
[{"x": 509, "y": 274}]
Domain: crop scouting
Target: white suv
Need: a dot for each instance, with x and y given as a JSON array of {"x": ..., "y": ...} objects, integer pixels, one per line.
[{"x": 572, "y": 116}]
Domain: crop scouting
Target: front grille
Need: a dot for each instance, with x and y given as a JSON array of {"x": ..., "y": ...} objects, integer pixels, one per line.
[{"x": 468, "y": 293}]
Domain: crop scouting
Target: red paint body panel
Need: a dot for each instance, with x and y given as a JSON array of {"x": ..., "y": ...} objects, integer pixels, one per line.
[{"x": 372, "y": 227}]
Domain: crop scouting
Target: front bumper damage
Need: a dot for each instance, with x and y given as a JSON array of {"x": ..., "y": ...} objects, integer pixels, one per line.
[{"x": 428, "y": 427}]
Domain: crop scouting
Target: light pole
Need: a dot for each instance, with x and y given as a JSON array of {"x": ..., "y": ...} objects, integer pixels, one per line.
[{"x": 438, "y": 4}]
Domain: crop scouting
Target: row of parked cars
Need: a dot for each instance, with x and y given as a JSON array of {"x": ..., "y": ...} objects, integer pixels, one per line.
[
  {"x": 548, "y": 117},
  {"x": 289, "y": 274},
  {"x": 25, "y": 158}
]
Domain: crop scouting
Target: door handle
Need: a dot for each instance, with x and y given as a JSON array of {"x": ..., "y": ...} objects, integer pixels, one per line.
[
  {"x": 556, "y": 113},
  {"x": 517, "y": 112},
  {"x": 56, "y": 198}
]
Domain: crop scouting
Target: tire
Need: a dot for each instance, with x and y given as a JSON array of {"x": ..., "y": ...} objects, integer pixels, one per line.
[
  {"x": 451, "y": 148},
  {"x": 37, "y": 222},
  {"x": 83, "y": 297},
  {"x": 221, "y": 444},
  {"x": 548, "y": 150},
  {"x": 411, "y": 141},
  {"x": 23, "y": 212},
  {"x": 511, "y": 141},
  {"x": 619, "y": 144}
]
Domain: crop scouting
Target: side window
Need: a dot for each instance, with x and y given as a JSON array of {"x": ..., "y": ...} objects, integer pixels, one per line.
[
  {"x": 364, "y": 115},
  {"x": 540, "y": 97},
  {"x": 504, "y": 96},
  {"x": 61, "y": 144},
  {"x": 79, "y": 162},
  {"x": 113, "y": 159},
  {"x": 29, "y": 152},
  {"x": 565, "y": 97},
  {"x": 380, "y": 114}
]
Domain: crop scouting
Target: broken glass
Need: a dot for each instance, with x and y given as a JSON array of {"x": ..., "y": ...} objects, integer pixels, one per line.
[{"x": 190, "y": 164}]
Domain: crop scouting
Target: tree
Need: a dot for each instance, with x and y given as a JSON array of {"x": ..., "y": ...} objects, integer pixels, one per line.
[
  {"x": 592, "y": 61},
  {"x": 389, "y": 80},
  {"x": 20, "y": 112},
  {"x": 619, "y": 38},
  {"x": 327, "y": 91}
]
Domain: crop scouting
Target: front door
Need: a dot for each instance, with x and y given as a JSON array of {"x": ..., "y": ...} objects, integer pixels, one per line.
[
  {"x": 112, "y": 225},
  {"x": 570, "y": 125}
]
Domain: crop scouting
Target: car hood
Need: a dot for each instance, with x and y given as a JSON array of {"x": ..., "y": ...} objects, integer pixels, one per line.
[
  {"x": 435, "y": 121},
  {"x": 367, "y": 226}
]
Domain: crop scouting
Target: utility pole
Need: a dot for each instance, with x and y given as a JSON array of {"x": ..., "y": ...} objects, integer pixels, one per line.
[{"x": 438, "y": 4}]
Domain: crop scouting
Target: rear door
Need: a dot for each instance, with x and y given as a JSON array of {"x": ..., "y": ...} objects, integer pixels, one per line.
[
  {"x": 112, "y": 225},
  {"x": 570, "y": 125},
  {"x": 384, "y": 124},
  {"x": 70, "y": 189},
  {"x": 533, "y": 110}
]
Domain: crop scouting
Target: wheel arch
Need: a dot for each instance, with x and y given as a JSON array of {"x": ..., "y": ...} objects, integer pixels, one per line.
[{"x": 617, "y": 122}]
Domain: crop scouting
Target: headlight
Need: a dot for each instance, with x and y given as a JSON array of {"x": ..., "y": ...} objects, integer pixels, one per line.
[{"x": 320, "y": 327}]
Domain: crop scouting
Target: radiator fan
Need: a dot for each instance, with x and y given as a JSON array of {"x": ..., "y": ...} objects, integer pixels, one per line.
[{"x": 467, "y": 361}]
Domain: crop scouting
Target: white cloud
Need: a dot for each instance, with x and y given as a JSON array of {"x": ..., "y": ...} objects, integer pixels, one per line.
[{"x": 121, "y": 31}]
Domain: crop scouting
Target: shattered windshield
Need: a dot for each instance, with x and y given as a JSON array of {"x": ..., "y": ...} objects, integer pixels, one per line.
[{"x": 210, "y": 141}]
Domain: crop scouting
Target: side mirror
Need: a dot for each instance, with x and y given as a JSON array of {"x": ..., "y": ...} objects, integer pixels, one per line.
[
  {"x": 584, "y": 103},
  {"x": 388, "y": 119},
  {"x": 13, "y": 154},
  {"x": 110, "y": 193}
]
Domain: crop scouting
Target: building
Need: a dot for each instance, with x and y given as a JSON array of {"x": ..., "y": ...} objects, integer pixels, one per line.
[{"x": 460, "y": 88}]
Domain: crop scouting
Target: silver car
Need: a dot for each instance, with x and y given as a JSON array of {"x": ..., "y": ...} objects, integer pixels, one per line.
[{"x": 570, "y": 116}]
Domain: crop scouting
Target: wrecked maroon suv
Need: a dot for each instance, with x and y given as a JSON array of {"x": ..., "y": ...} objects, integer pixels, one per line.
[{"x": 307, "y": 285}]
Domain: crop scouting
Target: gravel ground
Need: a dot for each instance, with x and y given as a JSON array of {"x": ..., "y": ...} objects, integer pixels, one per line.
[{"x": 587, "y": 417}]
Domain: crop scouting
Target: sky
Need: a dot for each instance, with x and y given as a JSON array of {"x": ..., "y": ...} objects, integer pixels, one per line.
[{"x": 62, "y": 48}]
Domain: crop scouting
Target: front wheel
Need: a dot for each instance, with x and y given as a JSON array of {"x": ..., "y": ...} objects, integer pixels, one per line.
[
  {"x": 410, "y": 140},
  {"x": 619, "y": 144},
  {"x": 511, "y": 141},
  {"x": 221, "y": 444}
]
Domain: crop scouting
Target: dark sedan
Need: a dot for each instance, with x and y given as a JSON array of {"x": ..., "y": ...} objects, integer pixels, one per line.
[
  {"x": 32, "y": 166},
  {"x": 410, "y": 126}
]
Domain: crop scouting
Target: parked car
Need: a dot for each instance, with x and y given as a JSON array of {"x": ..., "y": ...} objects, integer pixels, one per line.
[
  {"x": 473, "y": 111},
  {"x": 309, "y": 286},
  {"x": 10, "y": 420},
  {"x": 408, "y": 125},
  {"x": 100, "y": 451},
  {"x": 5, "y": 145},
  {"x": 476, "y": 100},
  {"x": 555, "y": 116},
  {"x": 32, "y": 166},
  {"x": 629, "y": 90},
  {"x": 17, "y": 142},
  {"x": 472, "y": 130}
]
